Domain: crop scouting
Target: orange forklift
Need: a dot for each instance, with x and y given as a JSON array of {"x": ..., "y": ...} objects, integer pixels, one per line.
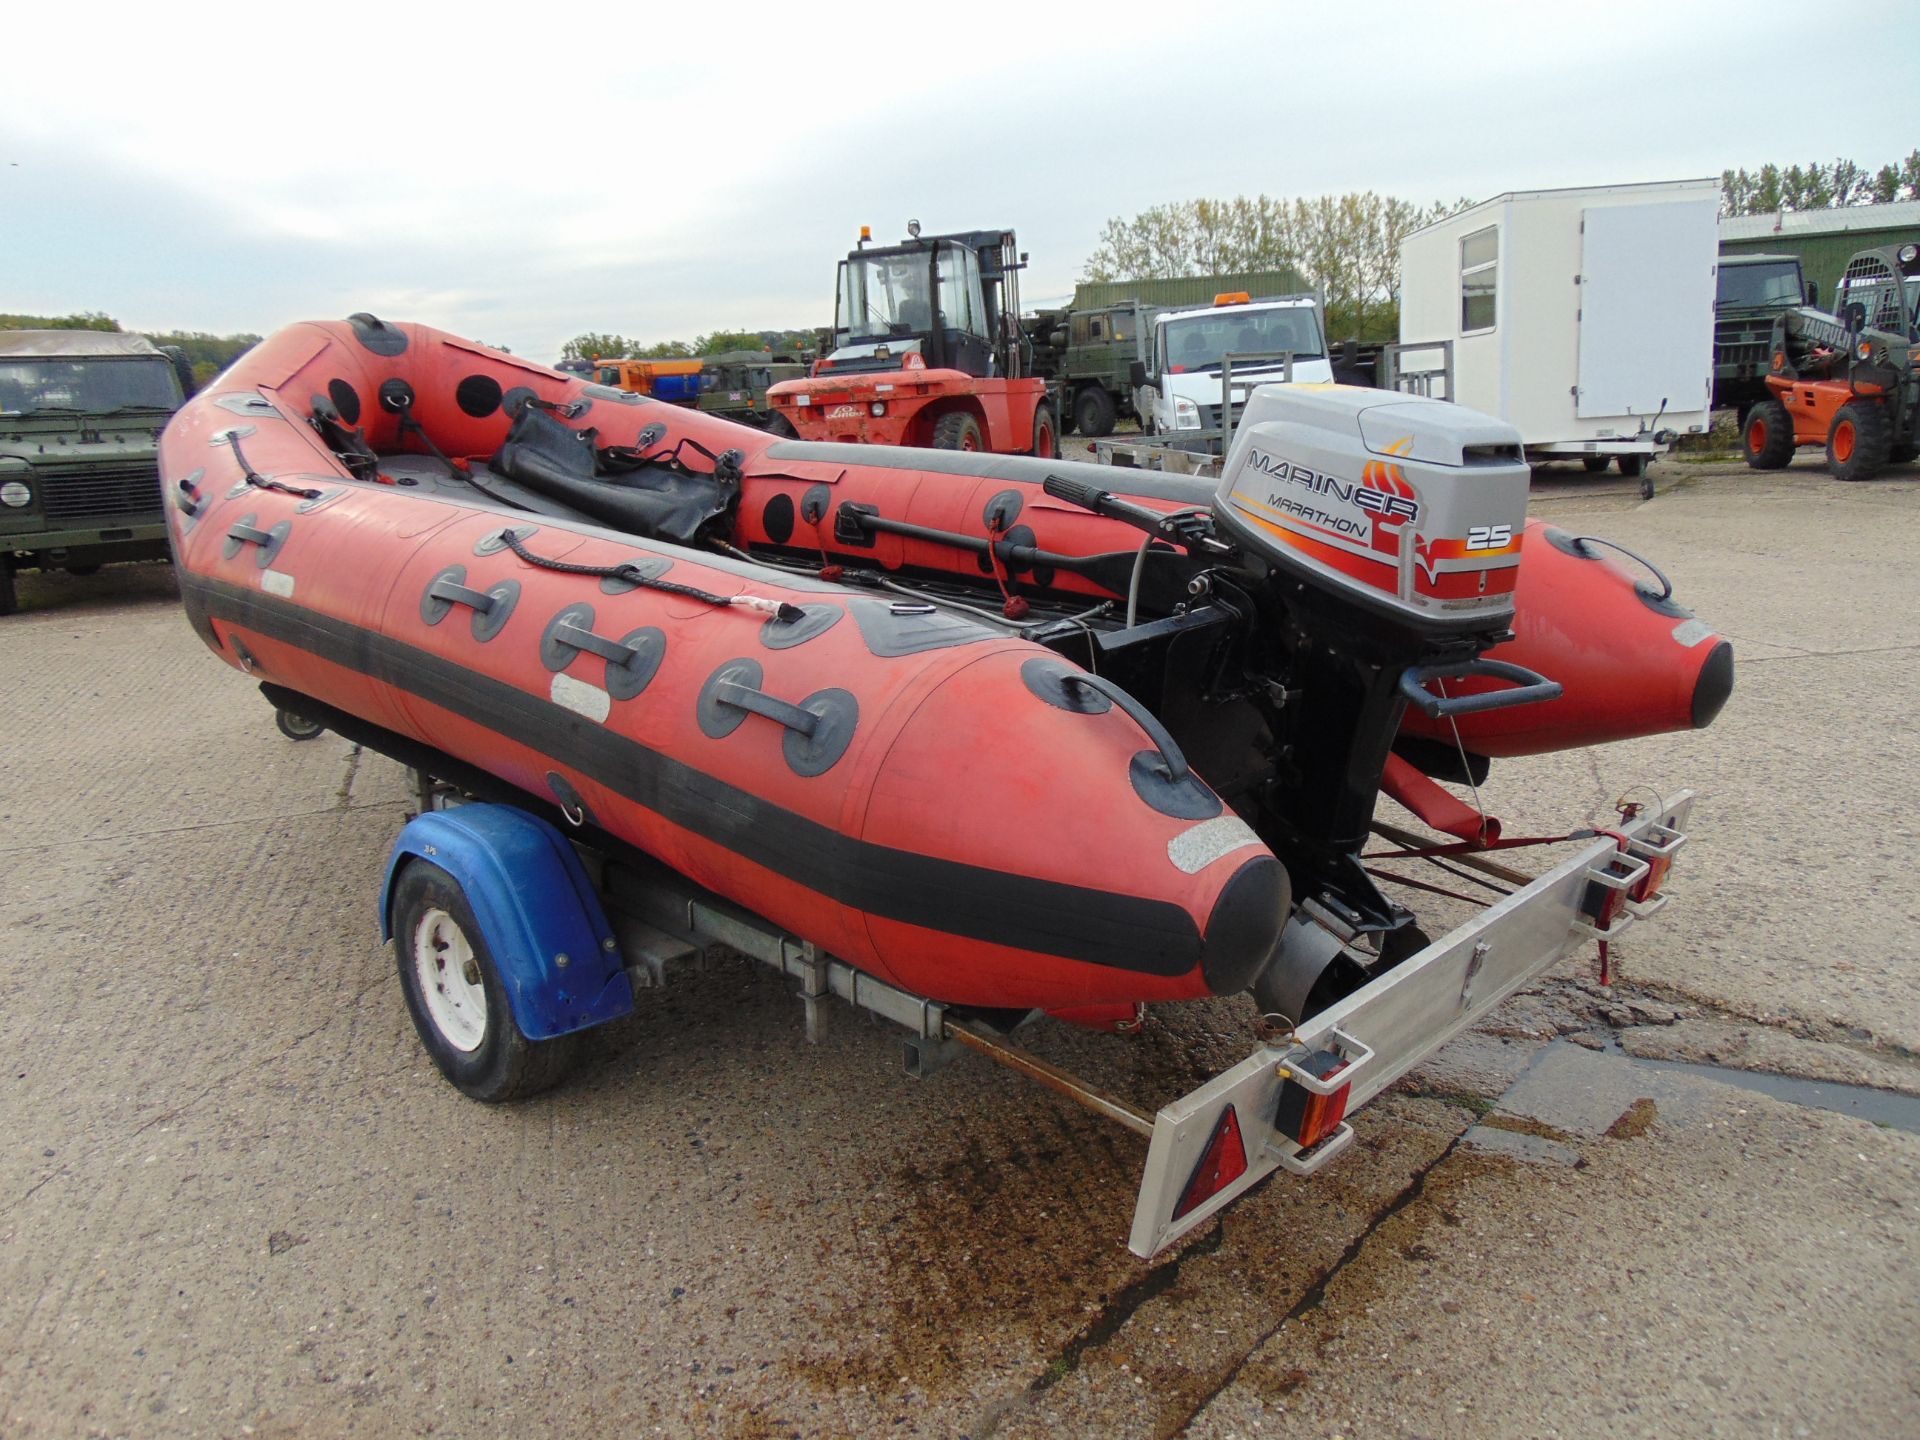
[
  {"x": 1846, "y": 380},
  {"x": 927, "y": 350}
]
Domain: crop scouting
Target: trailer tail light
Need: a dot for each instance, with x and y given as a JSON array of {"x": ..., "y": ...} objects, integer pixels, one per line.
[
  {"x": 1223, "y": 1162},
  {"x": 1306, "y": 1117},
  {"x": 1657, "y": 847}
]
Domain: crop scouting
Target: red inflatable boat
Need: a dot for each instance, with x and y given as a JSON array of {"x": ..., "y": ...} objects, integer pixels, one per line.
[{"x": 982, "y": 726}]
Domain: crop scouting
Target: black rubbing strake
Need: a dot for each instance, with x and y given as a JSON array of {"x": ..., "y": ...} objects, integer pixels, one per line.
[{"x": 1074, "y": 922}]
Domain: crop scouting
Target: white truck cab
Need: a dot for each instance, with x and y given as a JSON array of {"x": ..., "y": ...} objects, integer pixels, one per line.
[{"x": 1178, "y": 387}]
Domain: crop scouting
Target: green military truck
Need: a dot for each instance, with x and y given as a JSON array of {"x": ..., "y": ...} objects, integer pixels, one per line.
[
  {"x": 1754, "y": 291},
  {"x": 734, "y": 384},
  {"x": 80, "y": 416},
  {"x": 1089, "y": 354},
  {"x": 1087, "y": 351}
]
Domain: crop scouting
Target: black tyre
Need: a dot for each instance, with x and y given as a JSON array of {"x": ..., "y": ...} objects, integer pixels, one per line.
[
  {"x": 1632, "y": 464},
  {"x": 1046, "y": 440},
  {"x": 1593, "y": 464},
  {"x": 297, "y": 727},
  {"x": 455, "y": 996},
  {"x": 1903, "y": 453},
  {"x": 778, "y": 424},
  {"x": 1860, "y": 440},
  {"x": 1766, "y": 438},
  {"x": 1093, "y": 412},
  {"x": 957, "y": 430},
  {"x": 9, "y": 597}
]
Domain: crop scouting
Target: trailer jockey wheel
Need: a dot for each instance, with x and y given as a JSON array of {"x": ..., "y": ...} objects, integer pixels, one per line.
[
  {"x": 297, "y": 727},
  {"x": 456, "y": 998}
]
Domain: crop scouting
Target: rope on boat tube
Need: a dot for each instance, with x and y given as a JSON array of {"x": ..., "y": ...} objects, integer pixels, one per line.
[{"x": 637, "y": 575}]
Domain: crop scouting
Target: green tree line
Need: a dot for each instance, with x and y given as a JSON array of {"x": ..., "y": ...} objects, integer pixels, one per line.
[
  {"x": 208, "y": 354},
  {"x": 1818, "y": 187},
  {"x": 1347, "y": 245}
]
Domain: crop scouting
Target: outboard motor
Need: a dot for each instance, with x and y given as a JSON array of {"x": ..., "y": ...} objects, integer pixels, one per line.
[{"x": 1379, "y": 536}]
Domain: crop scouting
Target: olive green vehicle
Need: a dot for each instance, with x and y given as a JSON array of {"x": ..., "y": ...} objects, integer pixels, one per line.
[
  {"x": 1088, "y": 353},
  {"x": 1754, "y": 291},
  {"x": 80, "y": 416},
  {"x": 735, "y": 383}
]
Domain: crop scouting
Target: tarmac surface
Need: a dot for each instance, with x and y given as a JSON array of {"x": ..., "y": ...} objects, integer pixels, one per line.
[{"x": 237, "y": 1199}]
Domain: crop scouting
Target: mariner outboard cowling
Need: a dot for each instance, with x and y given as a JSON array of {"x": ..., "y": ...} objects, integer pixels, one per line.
[
  {"x": 1388, "y": 528},
  {"x": 1408, "y": 509}
]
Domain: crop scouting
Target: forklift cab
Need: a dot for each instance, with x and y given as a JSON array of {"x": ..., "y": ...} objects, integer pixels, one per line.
[{"x": 926, "y": 297}]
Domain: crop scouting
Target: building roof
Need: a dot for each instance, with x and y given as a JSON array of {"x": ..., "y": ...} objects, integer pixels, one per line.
[
  {"x": 1649, "y": 188},
  {"x": 1902, "y": 216},
  {"x": 66, "y": 344}
]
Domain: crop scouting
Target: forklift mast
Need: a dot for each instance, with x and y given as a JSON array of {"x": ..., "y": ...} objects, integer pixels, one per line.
[{"x": 950, "y": 331}]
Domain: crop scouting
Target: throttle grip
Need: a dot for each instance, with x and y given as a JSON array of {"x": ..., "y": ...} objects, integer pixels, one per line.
[{"x": 1074, "y": 492}]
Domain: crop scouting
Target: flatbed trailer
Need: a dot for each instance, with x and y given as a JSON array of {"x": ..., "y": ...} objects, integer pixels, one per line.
[{"x": 1288, "y": 1105}]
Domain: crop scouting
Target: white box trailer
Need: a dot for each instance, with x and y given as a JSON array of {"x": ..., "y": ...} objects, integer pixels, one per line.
[{"x": 1582, "y": 317}]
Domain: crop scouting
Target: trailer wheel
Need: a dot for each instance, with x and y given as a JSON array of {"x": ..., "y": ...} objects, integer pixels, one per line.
[
  {"x": 1046, "y": 444},
  {"x": 455, "y": 996},
  {"x": 297, "y": 727},
  {"x": 1632, "y": 464},
  {"x": 1860, "y": 441},
  {"x": 1593, "y": 464},
  {"x": 778, "y": 424},
  {"x": 1093, "y": 412},
  {"x": 9, "y": 597},
  {"x": 957, "y": 430},
  {"x": 1766, "y": 438}
]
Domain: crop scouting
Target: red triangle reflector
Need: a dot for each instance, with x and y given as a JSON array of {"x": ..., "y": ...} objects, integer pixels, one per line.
[{"x": 1224, "y": 1161}]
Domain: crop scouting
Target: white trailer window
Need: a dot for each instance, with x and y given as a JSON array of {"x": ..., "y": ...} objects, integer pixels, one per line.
[{"x": 1479, "y": 274}]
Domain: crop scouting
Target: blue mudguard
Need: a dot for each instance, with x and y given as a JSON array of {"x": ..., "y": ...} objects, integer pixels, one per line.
[{"x": 537, "y": 911}]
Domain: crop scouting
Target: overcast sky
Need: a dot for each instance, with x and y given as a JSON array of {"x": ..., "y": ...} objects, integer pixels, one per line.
[{"x": 520, "y": 174}]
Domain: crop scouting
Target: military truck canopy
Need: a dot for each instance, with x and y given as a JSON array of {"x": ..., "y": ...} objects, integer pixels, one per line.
[{"x": 70, "y": 344}]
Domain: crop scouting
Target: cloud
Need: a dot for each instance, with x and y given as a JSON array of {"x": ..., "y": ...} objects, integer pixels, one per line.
[{"x": 526, "y": 175}]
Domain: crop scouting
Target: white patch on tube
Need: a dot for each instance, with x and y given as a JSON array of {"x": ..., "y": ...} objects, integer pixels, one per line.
[
  {"x": 1195, "y": 849},
  {"x": 277, "y": 582},
  {"x": 582, "y": 698},
  {"x": 1691, "y": 632}
]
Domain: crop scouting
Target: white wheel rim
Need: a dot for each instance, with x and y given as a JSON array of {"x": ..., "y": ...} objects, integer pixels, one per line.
[{"x": 443, "y": 961}]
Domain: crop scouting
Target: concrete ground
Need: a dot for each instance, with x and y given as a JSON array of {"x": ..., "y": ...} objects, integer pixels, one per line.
[{"x": 235, "y": 1197}]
